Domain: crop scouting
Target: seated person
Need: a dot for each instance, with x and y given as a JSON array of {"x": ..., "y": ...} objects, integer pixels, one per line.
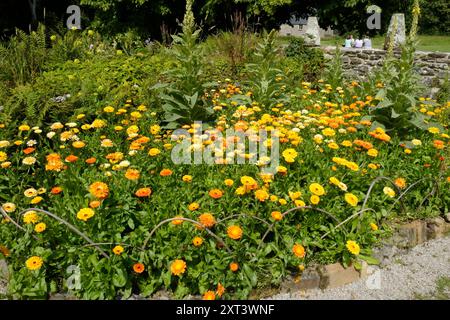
[
  {"x": 358, "y": 43},
  {"x": 348, "y": 42},
  {"x": 367, "y": 43}
]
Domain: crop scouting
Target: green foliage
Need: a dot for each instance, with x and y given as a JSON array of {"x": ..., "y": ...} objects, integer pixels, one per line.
[
  {"x": 335, "y": 73},
  {"x": 310, "y": 60},
  {"x": 183, "y": 99},
  {"x": 264, "y": 76},
  {"x": 24, "y": 56}
]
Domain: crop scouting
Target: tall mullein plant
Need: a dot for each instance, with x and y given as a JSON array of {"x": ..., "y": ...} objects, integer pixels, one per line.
[
  {"x": 183, "y": 97},
  {"x": 396, "y": 109}
]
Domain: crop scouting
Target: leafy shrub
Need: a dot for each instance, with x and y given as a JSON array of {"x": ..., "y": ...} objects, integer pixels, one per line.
[
  {"x": 311, "y": 59},
  {"x": 24, "y": 56}
]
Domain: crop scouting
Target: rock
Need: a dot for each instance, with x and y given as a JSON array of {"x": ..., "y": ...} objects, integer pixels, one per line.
[
  {"x": 335, "y": 275},
  {"x": 312, "y": 32},
  {"x": 447, "y": 217},
  {"x": 309, "y": 279},
  {"x": 411, "y": 234},
  {"x": 399, "y": 33},
  {"x": 4, "y": 272},
  {"x": 437, "y": 228}
]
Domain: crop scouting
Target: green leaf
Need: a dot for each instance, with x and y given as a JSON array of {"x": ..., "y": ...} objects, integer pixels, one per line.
[
  {"x": 369, "y": 260},
  {"x": 119, "y": 278}
]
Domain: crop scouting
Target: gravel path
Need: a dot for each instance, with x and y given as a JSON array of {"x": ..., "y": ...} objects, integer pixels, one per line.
[{"x": 408, "y": 276}]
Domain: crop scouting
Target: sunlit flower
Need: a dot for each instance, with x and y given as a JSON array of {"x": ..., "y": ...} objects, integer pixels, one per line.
[
  {"x": 118, "y": 250},
  {"x": 351, "y": 199},
  {"x": 299, "y": 250},
  {"x": 209, "y": 295},
  {"x": 353, "y": 247},
  {"x": 197, "y": 241},
  {"x": 216, "y": 193},
  {"x": 34, "y": 263},
  {"x": 85, "y": 214},
  {"x": 276, "y": 215},
  {"x": 40, "y": 227},
  {"x": 207, "y": 219},
  {"x": 165, "y": 172},
  {"x": 138, "y": 268},
  {"x": 316, "y": 189},
  {"x": 143, "y": 192},
  {"x": 187, "y": 178},
  {"x": 178, "y": 267},
  {"x": 234, "y": 232},
  {"x": 389, "y": 192},
  {"x": 30, "y": 217},
  {"x": 132, "y": 174},
  {"x": 99, "y": 190}
]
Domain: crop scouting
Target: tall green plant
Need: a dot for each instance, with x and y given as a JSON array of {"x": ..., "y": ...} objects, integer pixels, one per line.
[
  {"x": 396, "y": 110},
  {"x": 264, "y": 76},
  {"x": 183, "y": 98}
]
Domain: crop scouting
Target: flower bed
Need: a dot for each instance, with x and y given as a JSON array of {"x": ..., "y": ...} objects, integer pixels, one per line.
[{"x": 102, "y": 196}]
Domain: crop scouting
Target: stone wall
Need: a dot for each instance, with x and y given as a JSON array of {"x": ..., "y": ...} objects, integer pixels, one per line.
[{"x": 432, "y": 66}]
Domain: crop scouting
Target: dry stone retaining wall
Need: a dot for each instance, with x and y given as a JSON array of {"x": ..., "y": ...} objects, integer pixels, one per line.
[{"x": 432, "y": 66}]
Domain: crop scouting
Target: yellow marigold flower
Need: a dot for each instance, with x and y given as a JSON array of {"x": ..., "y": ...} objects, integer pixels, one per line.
[
  {"x": 316, "y": 189},
  {"x": 207, "y": 219},
  {"x": 290, "y": 153},
  {"x": 178, "y": 267},
  {"x": 78, "y": 144},
  {"x": 155, "y": 129},
  {"x": 193, "y": 206},
  {"x": 228, "y": 182},
  {"x": 262, "y": 195},
  {"x": 240, "y": 191},
  {"x": 373, "y": 226},
  {"x": 187, "y": 178},
  {"x": 40, "y": 227},
  {"x": 353, "y": 247},
  {"x": 299, "y": 203},
  {"x": 299, "y": 250},
  {"x": 315, "y": 199},
  {"x": 389, "y": 192},
  {"x": 85, "y": 214},
  {"x": 294, "y": 195},
  {"x": 154, "y": 152},
  {"x": 209, "y": 295},
  {"x": 98, "y": 123},
  {"x": 347, "y": 143},
  {"x": 282, "y": 202},
  {"x": 372, "y": 166},
  {"x": 118, "y": 250},
  {"x": 273, "y": 198},
  {"x": 34, "y": 263},
  {"x": 36, "y": 200},
  {"x": 3, "y": 156},
  {"x": 108, "y": 109},
  {"x": 30, "y": 193},
  {"x": 234, "y": 232},
  {"x": 351, "y": 199},
  {"x": 197, "y": 241},
  {"x": 328, "y": 132},
  {"x": 372, "y": 152},
  {"x": 433, "y": 130},
  {"x": 30, "y": 217},
  {"x": 24, "y": 127}
]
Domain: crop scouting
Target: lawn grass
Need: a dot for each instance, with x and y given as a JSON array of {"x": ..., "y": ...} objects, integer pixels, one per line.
[{"x": 426, "y": 43}]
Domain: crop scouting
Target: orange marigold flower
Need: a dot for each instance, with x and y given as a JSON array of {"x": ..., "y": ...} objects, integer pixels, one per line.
[
  {"x": 143, "y": 192},
  {"x": 91, "y": 160},
  {"x": 99, "y": 190},
  {"x": 197, "y": 241},
  {"x": 56, "y": 190},
  {"x": 400, "y": 182},
  {"x": 177, "y": 221},
  {"x": 220, "y": 290},
  {"x": 299, "y": 250},
  {"x": 209, "y": 295},
  {"x": 234, "y": 232},
  {"x": 234, "y": 266},
  {"x": 54, "y": 162},
  {"x": 165, "y": 172},
  {"x": 71, "y": 158},
  {"x": 29, "y": 150},
  {"x": 95, "y": 204},
  {"x": 132, "y": 174},
  {"x": 138, "y": 268},
  {"x": 216, "y": 193},
  {"x": 262, "y": 195},
  {"x": 277, "y": 215},
  {"x": 207, "y": 219},
  {"x": 178, "y": 267}
]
